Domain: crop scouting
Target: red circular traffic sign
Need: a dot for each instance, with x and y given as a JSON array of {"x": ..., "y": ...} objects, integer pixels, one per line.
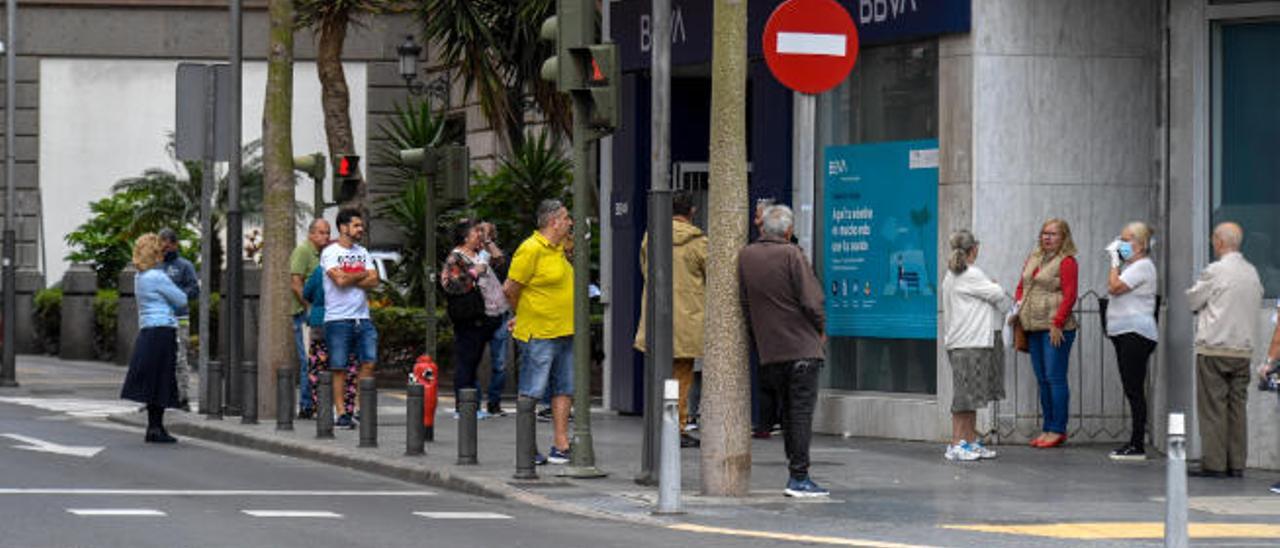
[{"x": 810, "y": 45}]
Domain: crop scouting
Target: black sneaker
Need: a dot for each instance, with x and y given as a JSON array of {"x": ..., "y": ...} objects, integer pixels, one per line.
[
  {"x": 1129, "y": 453},
  {"x": 544, "y": 415},
  {"x": 1276, "y": 488},
  {"x": 496, "y": 410},
  {"x": 306, "y": 414}
]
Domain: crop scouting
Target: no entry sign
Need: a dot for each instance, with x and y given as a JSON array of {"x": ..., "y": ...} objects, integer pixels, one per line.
[{"x": 810, "y": 45}]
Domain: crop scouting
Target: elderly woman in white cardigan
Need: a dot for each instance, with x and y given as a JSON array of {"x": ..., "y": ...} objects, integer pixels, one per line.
[{"x": 971, "y": 313}]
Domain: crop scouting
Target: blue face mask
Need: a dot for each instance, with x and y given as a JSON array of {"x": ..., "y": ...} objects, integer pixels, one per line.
[{"x": 1125, "y": 250}]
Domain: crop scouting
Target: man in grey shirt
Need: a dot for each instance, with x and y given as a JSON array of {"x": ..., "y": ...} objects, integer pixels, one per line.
[{"x": 1225, "y": 300}]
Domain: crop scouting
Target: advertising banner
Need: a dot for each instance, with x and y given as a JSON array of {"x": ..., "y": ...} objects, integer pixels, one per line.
[{"x": 880, "y": 217}]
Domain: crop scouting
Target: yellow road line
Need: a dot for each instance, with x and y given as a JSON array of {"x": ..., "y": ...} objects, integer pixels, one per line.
[
  {"x": 836, "y": 541},
  {"x": 1126, "y": 530}
]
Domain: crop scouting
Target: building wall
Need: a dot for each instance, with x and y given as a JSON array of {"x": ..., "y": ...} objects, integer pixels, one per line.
[{"x": 1048, "y": 109}]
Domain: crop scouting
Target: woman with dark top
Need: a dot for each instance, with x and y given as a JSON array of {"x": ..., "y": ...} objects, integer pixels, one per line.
[
  {"x": 151, "y": 379},
  {"x": 1131, "y": 325},
  {"x": 1046, "y": 295},
  {"x": 476, "y": 303}
]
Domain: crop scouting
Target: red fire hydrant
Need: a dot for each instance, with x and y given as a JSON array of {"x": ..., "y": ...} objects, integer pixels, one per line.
[{"x": 427, "y": 374}]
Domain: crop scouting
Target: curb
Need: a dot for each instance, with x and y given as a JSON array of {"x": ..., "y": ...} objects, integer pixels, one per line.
[{"x": 483, "y": 487}]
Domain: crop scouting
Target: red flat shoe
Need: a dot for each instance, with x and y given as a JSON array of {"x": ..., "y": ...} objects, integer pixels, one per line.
[
  {"x": 1035, "y": 442},
  {"x": 1048, "y": 444}
]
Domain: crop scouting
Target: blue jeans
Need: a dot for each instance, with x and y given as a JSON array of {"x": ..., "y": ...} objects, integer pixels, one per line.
[
  {"x": 304, "y": 384},
  {"x": 546, "y": 363},
  {"x": 498, "y": 359},
  {"x": 346, "y": 337},
  {"x": 1050, "y": 365}
]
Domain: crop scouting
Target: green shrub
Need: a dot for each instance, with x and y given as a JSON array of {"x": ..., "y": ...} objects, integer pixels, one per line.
[
  {"x": 104, "y": 323},
  {"x": 401, "y": 334},
  {"x": 48, "y": 320}
]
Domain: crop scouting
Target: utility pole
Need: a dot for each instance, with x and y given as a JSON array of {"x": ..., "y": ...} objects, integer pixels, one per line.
[
  {"x": 234, "y": 307},
  {"x": 588, "y": 71},
  {"x": 8, "y": 367}
]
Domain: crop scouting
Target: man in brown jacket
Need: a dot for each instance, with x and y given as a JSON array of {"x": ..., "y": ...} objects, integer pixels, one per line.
[
  {"x": 688, "y": 283},
  {"x": 782, "y": 302}
]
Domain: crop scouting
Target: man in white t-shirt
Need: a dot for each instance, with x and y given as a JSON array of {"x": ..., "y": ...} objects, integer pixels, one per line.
[{"x": 347, "y": 327}]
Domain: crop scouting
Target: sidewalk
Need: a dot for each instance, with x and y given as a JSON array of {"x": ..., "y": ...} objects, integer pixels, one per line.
[{"x": 882, "y": 491}]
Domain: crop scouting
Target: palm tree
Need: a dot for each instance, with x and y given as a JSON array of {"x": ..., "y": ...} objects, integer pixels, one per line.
[
  {"x": 278, "y": 205},
  {"x": 726, "y": 447},
  {"x": 329, "y": 19},
  {"x": 494, "y": 46}
]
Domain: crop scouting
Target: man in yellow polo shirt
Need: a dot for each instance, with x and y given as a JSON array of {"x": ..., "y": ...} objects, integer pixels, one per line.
[{"x": 539, "y": 288}]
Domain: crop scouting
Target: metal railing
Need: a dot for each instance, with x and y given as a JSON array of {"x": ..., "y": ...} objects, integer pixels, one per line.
[{"x": 1098, "y": 410}]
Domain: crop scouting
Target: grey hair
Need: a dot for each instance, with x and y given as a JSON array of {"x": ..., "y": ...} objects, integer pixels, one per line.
[
  {"x": 1230, "y": 234},
  {"x": 1141, "y": 232},
  {"x": 547, "y": 210},
  {"x": 316, "y": 222},
  {"x": 962, "y": 244},
  {"x": 777, "y": 219},
  {"x": 168, "y": 235}
]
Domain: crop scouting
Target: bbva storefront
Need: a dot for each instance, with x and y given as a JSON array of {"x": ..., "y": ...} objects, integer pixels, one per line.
[{"x": 1100, "y": 113}]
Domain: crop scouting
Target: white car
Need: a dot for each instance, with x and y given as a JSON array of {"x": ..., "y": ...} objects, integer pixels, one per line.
[{"x": 386, "y": 262}]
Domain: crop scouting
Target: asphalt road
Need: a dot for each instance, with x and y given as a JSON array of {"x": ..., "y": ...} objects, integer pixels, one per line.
[{"x": 132, "y": 494}]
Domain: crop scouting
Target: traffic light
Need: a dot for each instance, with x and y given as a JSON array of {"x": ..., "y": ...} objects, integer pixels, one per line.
[
  {"x": 346, "y": 178},
  {"x": 311, "y": 164},
  {"x": 582, "y": 67},
  {"x": 447, "y": 168}
]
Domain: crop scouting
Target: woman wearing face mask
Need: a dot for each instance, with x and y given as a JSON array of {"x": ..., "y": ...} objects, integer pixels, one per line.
[
  {"x": 1131, "y": 325},
  {"x": 1046, "y": 295}
]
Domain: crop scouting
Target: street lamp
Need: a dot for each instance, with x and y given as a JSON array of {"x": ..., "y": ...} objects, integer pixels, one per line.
[{"x": 408, "y": 53}]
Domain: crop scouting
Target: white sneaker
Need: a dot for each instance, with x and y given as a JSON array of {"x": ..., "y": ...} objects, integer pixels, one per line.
[
  {"x": 960, "y": 452},
  {"x": 982, "y": 451}
]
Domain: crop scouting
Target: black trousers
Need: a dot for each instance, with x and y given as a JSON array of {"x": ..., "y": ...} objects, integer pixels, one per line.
[
  {"x": 469, "y": 342},
  {"x": 794, "y": 386},
  {"x": 1132, "y": 352}
]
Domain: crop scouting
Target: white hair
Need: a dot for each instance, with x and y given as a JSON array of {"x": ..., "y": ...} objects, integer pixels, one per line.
[{"x": 777, "y": 220}]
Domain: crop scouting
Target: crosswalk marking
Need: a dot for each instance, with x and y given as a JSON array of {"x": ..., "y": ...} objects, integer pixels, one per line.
[
  {"x": 212, "y": 492},
  {"x": 76, "y": 407},
  {"x": 292, "y": 514},
  {"x": 462, "y": 515},
  {"x": 130, "y": 512}
]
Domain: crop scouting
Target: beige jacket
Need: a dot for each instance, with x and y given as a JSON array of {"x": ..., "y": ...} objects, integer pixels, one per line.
[
  {"x": 1226, "y": 301},
  {"x": 689, "y": 289}
]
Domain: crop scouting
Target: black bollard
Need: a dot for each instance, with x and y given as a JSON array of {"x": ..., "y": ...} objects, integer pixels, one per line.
[
  {"x": 415, "y": 433},
  {"x": 213, "y": 391},
  {"x": 526, "y": 431},
  {"x": 468, "y": 406},
  {"x": 249, "y": 412},
  {"x": 368, "y": 412},
  {"x": 324, "y": 411},
  {"x": 284, "y": 398}
]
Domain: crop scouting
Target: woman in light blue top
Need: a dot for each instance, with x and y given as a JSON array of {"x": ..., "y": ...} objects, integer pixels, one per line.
[
  {"x": 151, "y": 379},
  {"x": 1131, "y": 325}
]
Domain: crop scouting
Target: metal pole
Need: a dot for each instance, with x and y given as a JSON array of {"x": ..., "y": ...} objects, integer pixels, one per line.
[
  {"x": 526, "y": 431},
  {"x": 803, "y": 127},
  {"x": 429, "y": 263},
  {"x": 208, "y": 382},
  {"x": 414, "y": 431},
  {"x": 8, "y": 357},
  {"x": 669, "y": 474},
  {"x": 606, "y": 230},
  {"x": 214, "y": 388},
  {"x": 468, "y": 406},
  {"x": 235, "y": 238},
  {"x": 1175, "y": 513},
  {"x": 582, "y": 463},
  {"x": 284, "y": 398},
  {"x": 658, "y": 332},
  {"x": 324, "y": 415},
  {"x": 368, "y": 412},
  {"x": 249, "y": 403}
]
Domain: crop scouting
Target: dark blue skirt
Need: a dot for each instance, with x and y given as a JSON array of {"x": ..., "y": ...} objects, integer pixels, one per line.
[{"x": 151, "y": 379}]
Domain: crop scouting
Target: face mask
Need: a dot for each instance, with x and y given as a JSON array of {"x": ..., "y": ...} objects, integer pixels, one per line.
[
  {"x": 170, "y": 255},
  {"x": 1125, "y": 249}
]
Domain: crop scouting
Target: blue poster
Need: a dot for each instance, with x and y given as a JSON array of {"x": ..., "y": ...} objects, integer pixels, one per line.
[{"x": 881, "y": 223}]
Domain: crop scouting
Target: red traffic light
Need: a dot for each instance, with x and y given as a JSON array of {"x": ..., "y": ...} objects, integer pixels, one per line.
[
  {"x": 596, "y": 75},
  {"x": 348, "y": 165}
]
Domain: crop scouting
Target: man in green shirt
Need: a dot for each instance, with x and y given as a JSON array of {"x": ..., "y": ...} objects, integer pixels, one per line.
[{"x": 304, "y": 259}]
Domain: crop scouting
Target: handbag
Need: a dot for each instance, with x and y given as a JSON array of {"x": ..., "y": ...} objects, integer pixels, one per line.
[{"x": 1020, "y": 336}]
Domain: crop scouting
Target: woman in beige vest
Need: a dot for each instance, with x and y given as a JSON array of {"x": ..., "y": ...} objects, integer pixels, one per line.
[{"x": 1046, "y": 295}]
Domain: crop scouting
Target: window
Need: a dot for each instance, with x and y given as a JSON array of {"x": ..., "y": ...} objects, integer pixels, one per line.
[
  {"x": 1246, "y": 137},
  {"x": 891, "y": 95}
]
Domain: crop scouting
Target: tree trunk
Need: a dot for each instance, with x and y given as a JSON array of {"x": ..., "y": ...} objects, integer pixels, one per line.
[
  {"x": 726, "y": 408},
  {"x": 335, "y": 99},
  {"x": 274, "y": 326}
]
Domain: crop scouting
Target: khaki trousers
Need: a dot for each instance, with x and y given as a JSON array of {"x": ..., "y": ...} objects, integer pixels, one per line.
[
  {"x": 1222, "y": 386},
  {"x": 682, "y": 370}
]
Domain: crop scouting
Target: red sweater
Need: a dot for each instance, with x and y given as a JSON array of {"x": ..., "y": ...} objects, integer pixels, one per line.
[{"x": 1069, "y": 271}]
